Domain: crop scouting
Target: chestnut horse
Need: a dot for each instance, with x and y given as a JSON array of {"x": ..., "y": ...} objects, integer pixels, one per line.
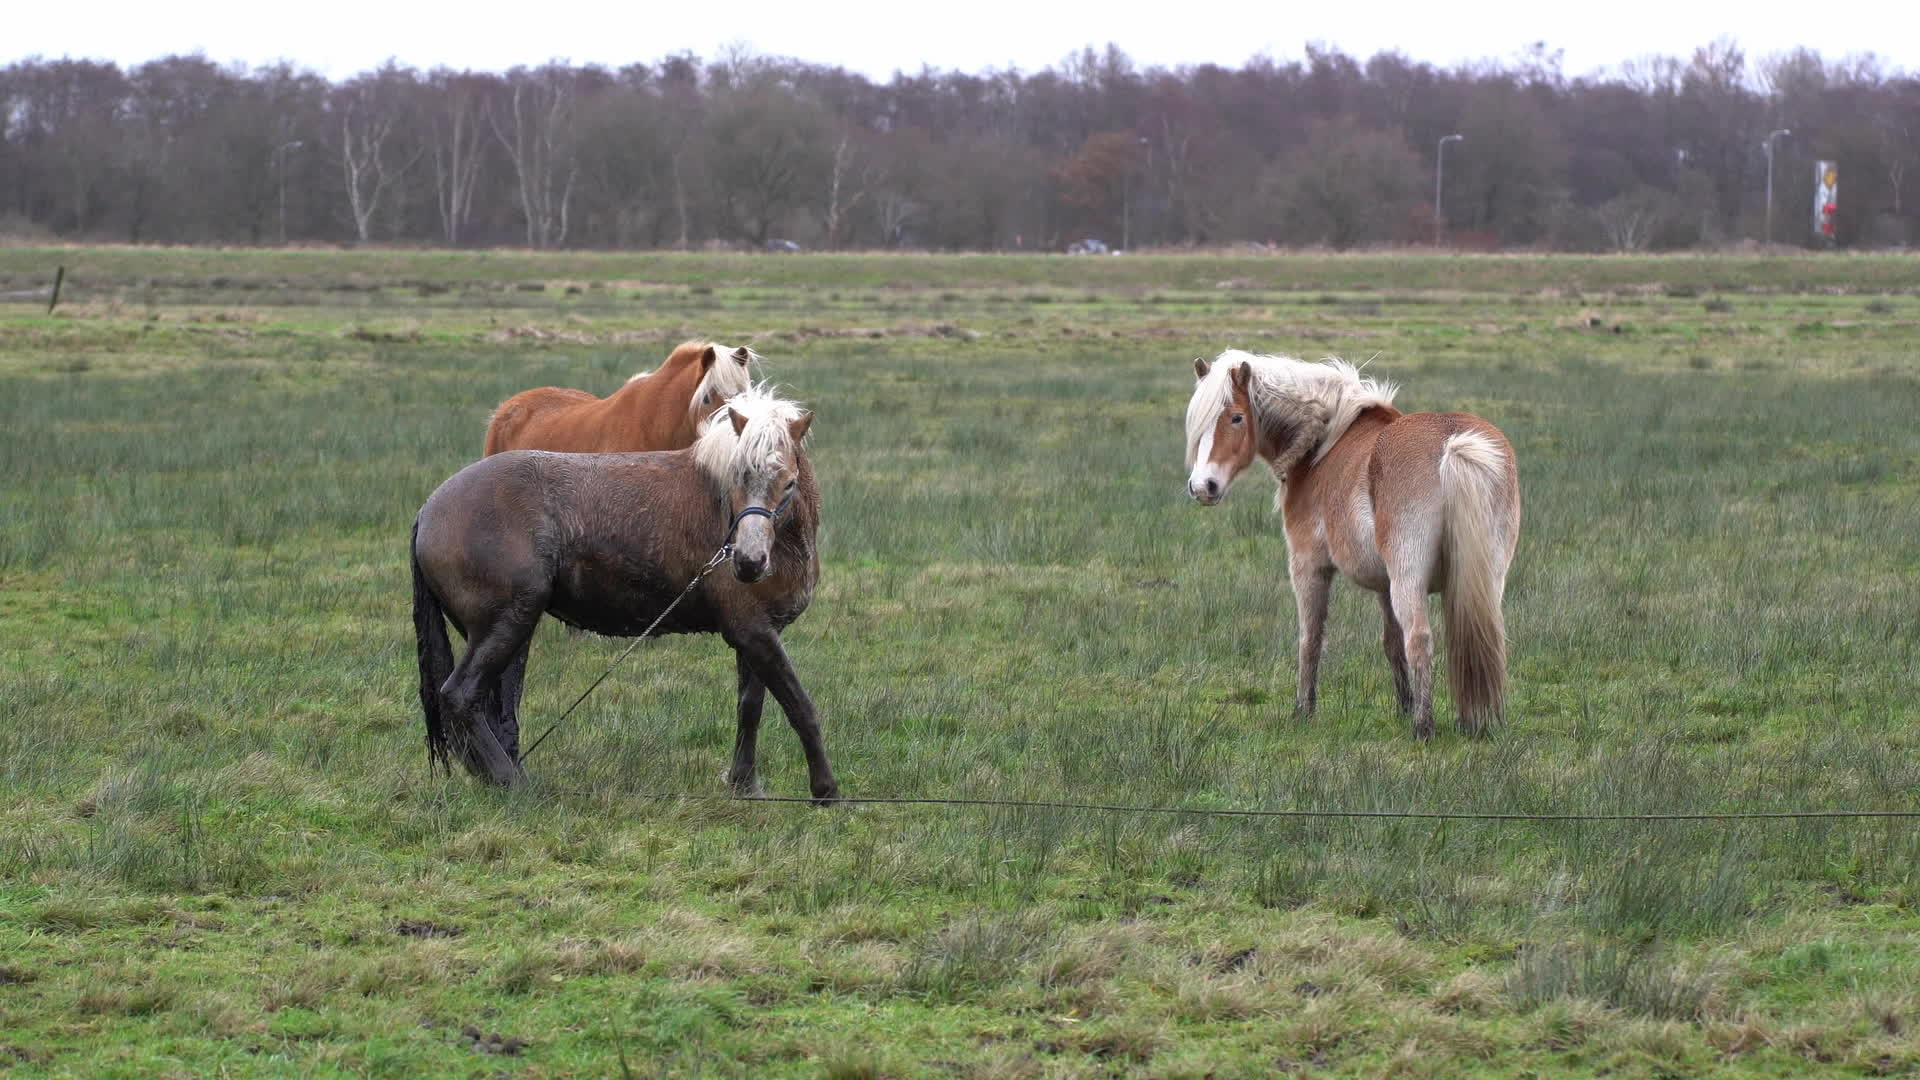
[
  {"x": 1403, "y": 504},
  {"x": 607, "y": 542},
  {"x": 663, "y": 409}
]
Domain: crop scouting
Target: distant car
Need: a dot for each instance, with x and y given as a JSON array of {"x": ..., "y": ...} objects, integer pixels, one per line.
[
  {"x": 1089, "y": 246},
  {"x": 784, "y": 247}
]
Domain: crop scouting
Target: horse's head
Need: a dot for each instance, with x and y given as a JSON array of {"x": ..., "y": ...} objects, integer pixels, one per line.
[
  {"x": 1221, "y": 429},
  {"x": 754, "y": 460},
  {"x": 724, "y": 372}
]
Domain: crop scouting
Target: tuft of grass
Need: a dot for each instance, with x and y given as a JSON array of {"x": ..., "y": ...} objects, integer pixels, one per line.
[{"x": 1639, "y": 981}]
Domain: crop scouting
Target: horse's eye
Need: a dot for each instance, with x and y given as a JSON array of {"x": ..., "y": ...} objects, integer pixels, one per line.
[{"x": 1238, "y": 419}]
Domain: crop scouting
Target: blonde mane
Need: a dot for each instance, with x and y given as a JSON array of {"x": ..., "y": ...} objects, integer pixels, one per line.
[
  {"x": 763, "y": 445},
  {"x": 1289, "y": 392},
  {"x": 727, "y": 378}
]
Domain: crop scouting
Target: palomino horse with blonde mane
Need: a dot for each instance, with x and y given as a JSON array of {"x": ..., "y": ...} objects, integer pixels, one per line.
[
  {"x": 663, "y": 409},
  {"x": 608, "y": 543},
  {"x": 1403, "y": 504}
]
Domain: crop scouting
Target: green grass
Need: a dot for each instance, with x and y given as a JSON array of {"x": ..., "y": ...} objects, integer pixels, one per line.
[{"x": 221, "y": 849}]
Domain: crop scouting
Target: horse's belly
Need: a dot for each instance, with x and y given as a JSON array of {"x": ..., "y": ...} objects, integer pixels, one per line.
[
  {"x": 1350, "y": 543},
  {"x": 625, "y": 612}
]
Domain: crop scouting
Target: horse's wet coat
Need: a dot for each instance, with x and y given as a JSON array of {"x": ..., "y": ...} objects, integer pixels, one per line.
[{"x": 606, "y": 542}]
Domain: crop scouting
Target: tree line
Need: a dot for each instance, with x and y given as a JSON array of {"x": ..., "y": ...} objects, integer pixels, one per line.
[{"x": 755, "y": 151}]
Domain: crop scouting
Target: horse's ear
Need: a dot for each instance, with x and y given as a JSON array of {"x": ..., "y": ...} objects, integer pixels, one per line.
[
  {"x": 798, "y": 426},
  {"x": 1242, "y": 375},
  {"x": 1201, "y": 367},
  {"x": 739, "y": 422},
  {"x": 742, "y": 355},
  {"x": 707, "y": 357}
]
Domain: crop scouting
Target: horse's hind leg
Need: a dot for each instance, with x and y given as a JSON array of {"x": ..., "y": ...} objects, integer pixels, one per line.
[
  {"x": 1409, "y": 609},
  {"x": 744, "y": 776},
  {"x": 1392, "y": 639},
  {"x": 512, "y": 680},
  {"x": 475, "y": 696}
]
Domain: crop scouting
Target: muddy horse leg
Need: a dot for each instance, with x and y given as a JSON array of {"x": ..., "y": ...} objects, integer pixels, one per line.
[
  {"x": 762, "y": 652},
  {"x": 744, "y": 776},
  {"x": 1311, "y": 587},
  {"x": 512, "y": 681},
  {"x": 1393, "y": 641},
  {"x": 474, "y": 696}
]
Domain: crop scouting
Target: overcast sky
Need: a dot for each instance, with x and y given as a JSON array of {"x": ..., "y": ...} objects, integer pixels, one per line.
[{"x": 340, "y": 38}]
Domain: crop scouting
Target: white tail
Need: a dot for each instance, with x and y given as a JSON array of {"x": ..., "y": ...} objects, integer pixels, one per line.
[{"x": 1478, "y": 543}]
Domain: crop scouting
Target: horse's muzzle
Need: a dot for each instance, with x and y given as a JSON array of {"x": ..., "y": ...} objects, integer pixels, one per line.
[{"x": 749, "y": 569}]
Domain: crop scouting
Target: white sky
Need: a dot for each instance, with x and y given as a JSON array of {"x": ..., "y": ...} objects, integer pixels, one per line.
[{"x": 340, "y": 38}]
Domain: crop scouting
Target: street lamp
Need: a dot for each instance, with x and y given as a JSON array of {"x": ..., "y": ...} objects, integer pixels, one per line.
[
  {"x": 1767, "y": 143},
  {"x": 280, "y": 170},
  {"x": 1439, "y": 169}
]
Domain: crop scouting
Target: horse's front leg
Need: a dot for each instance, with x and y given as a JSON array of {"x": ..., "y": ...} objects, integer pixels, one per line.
[
  {"x": 1312, "y": 585},
  {"x": 1393, "y": 641},
  {"x": 744, "y": 776},
  {"x": 763, "y": 652}
]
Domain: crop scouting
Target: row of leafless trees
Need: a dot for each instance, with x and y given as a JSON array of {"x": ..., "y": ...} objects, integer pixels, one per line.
[{"x": 752, "y": 151}]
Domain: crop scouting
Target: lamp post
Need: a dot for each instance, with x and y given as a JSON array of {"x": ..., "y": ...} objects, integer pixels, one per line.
[
  {"x": 280, "y": 170},
  {"x": 1439, "y": 170},
  {"x": 1767, "y": 143}
]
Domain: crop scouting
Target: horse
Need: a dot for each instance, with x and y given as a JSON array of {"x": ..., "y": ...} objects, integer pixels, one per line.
[
  {"x": 663, "y": 409},
  {"x": 1403, "y": 504},
  {"x": 606, "y": 543}
]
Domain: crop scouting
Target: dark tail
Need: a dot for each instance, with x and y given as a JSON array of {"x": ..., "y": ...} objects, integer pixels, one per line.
[{"x": 434, "y": 651}]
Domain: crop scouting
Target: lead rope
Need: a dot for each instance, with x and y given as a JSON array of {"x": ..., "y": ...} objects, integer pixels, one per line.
[{"x": 719, "y": 557}]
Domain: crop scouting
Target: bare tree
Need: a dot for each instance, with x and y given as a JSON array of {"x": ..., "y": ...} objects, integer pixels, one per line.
[
  {"x": 1348, "y": 185},
  {"x": 768, "y": 156},
  {"x": 1631, "y": 220},
  {"x": 455, "y": 149},
  {"x": 370, "y": 110},
  {"x": 535, "y": 127},
  {"x": 852, "y": 179}
]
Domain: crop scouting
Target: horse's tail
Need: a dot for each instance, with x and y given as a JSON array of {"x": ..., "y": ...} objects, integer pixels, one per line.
[
  {"x": 1473, "y": 470},
  {"x": 434, "y": 651}
]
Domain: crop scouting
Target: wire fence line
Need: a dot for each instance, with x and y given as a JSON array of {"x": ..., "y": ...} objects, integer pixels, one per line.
[{"x": 1212, "y": 811}]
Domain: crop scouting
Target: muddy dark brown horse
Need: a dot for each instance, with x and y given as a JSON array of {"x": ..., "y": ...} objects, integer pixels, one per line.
[
  {"x": 605, "y": 542},
  {"x": 663, "y": 409}
]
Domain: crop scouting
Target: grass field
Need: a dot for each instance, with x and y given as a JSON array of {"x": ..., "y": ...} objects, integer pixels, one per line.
[{"x": 222, "y": 852}]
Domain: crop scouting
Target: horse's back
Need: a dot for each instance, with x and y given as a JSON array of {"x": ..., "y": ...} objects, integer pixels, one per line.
[{"x": 545, "y": 418}]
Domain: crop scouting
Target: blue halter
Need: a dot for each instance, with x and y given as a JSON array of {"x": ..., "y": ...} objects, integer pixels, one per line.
[{"x": 757, "y": 511}]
